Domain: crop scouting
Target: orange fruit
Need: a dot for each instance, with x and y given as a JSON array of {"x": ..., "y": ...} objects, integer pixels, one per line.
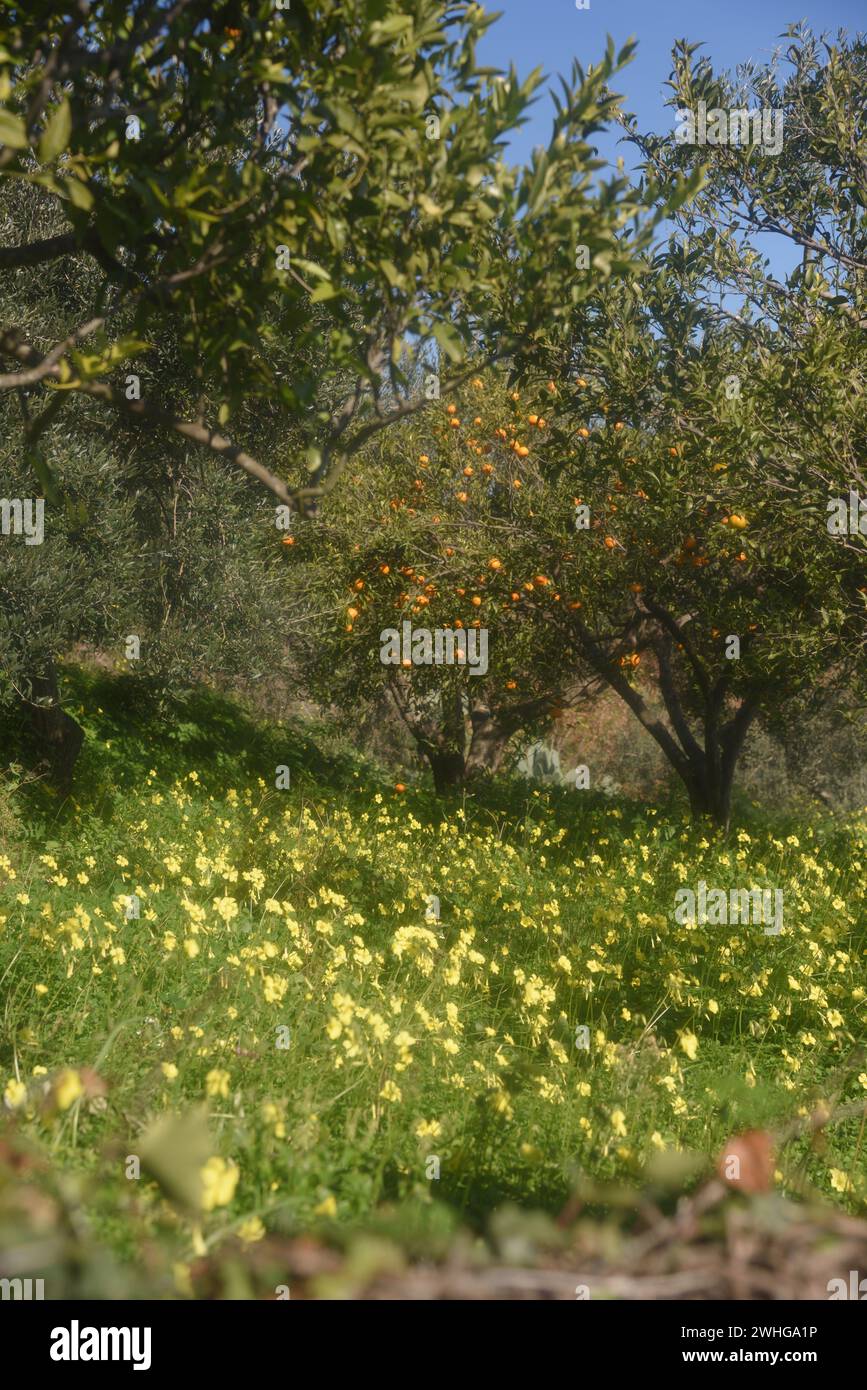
[
  {"x": 358, "y": 585},
  {"x": 584, "y": 432},
  {"x": 522, "y": 451},
  {"x": 610, "y": 542},
  {"x": 423, "y": 458},
  {"x": 455, "y": 424},
  {"x": 288, "y": 540},
  {"x": 476, "y": 601},
  {"x": 477, "y": 382},
  {"x": 494, "y": 563},
  {"x": 618, "y": 425},
  {"x": 451, "y": 409},
  {"x": 399, "y": 787},
  {"x": 739, "y": 522},
  {"x": 532, "y": 419},
  {"x": 385, "y": 569},
  {"x": 551, "y": 387},
  {"x": 462, "y": 496},
  {"x": 468, "y": 471}
]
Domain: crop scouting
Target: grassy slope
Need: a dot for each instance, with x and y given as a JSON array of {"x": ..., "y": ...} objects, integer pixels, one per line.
[{"x": 304, "y": 910}]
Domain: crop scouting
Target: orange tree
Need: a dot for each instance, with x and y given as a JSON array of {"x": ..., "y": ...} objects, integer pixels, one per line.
[
  {"x": 437, "y": 531},
  {"x": 244, "y": 177},
  {"x": 246, "y": 214},
  {"x": 696, "y": 444}
]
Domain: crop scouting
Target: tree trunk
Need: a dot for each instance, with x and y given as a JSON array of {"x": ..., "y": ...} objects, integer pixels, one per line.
[
  {"x": 57, "y": 736},
  {"x": 448, "y": 769},
  {"x": 707, "y": 771},
  {"x": 487, "y": 744},
  {"x": 710, "y": 796},
  {"x": 709, "y": 779}
]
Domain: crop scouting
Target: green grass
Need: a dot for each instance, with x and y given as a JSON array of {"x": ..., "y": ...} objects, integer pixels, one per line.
[{"x": 305, "y": 910}]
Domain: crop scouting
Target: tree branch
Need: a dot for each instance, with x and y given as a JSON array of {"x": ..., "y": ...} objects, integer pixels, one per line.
[
  {"x": 691, "y": 747},
  {"x": 11, "y": 342}
]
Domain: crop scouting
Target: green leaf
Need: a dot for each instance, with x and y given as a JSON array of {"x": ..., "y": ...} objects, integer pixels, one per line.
[
  {"x": 126, "y": 347},
  {"x": 174, "y": 1149},
  {"x": 449, "y": 340},
  {"x": 347, "y": 120},
  {"x": 429, "y": 206},
  {"x": 392, "y": 274},
  {"x": 12, "y": 131},
  {"x": 383, "y": 30},
  {"x": 78, "y": 194},
  {"x": 324, "y": 290},
  {"x": 55, "y": 137},
  {"x": 45, "y": 476}
]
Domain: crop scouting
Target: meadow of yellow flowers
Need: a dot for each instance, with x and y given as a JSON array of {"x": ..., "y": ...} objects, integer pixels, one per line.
[{"x": 285, "y": 993}]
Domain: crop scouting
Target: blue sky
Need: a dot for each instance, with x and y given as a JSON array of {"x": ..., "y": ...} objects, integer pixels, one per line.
[{"x": 550, "y": 33}]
